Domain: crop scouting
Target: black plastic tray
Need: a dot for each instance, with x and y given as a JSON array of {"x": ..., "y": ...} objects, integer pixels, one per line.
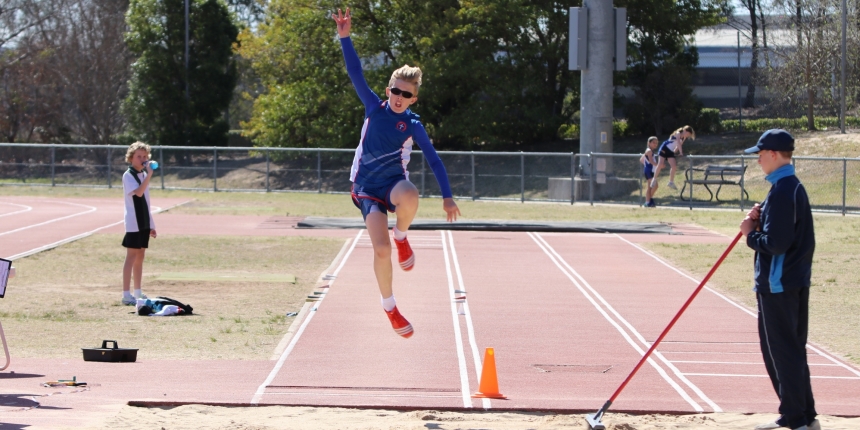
[{"x": 114, "y": 354}]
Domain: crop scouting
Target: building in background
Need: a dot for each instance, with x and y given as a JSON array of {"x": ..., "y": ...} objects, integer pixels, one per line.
[{"x": 722, "y": 79}]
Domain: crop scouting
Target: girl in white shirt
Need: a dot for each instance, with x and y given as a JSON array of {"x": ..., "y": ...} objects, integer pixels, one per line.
[{"x": 139, "y": 224}]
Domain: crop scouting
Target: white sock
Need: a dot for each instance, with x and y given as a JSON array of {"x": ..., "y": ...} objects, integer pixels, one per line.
[
  {"x": 126, "y": 294},
  {"x": 137, "y": 293},
  {"x": 399, "y": 235},
  {"x": 389, "y": 303}
]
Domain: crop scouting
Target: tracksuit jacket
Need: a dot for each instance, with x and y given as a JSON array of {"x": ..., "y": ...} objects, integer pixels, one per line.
[{"x": 786, "y": 242}]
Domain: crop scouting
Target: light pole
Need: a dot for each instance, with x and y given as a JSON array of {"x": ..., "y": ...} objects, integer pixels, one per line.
[
  {"x": 187, "y": 97},
  {"x": 842, "y": 89}
]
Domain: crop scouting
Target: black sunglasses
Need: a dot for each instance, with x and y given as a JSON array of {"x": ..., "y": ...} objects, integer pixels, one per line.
[{"x": 397, "y": 91}]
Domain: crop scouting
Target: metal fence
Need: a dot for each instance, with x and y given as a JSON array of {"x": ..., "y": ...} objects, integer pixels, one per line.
[{"x": 833, "y": 184}]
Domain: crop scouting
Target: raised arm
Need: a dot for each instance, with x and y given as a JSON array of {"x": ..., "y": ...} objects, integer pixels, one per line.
[{"x": 353, "y": 64}]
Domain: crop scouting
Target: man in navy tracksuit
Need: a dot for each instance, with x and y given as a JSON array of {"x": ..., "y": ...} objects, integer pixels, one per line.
[{"x": 780, "y": 232}]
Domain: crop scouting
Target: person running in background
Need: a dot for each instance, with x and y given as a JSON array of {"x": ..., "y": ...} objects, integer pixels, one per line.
[
  {"x": 139, "y": 225},
  {"x": 667, "y": 152},
  {"x": 380, "y": 180},
  {"x": 780, "y": 231},
  {"x": 648, "y": 161}
]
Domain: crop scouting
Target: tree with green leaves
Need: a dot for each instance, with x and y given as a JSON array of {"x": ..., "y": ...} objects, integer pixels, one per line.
[
  {"x": 167, "y": 105},
  {"x": 495, "y": 73},
  {"x": 660, "y": 66},
  {"x": 308, "y": 100}
]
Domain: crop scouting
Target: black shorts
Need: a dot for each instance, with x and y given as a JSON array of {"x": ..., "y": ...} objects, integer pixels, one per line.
[
  {"x": 136, "y": 240},
  {"x": 665, "y": 152}
]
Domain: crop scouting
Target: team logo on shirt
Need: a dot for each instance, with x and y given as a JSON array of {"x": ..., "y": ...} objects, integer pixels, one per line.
[{"x": 401, "y": 126}]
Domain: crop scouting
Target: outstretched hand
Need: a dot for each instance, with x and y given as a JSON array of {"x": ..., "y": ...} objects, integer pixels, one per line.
[
  {"x": 344, "y": 22},
  {"x": 451, "y": 209}
]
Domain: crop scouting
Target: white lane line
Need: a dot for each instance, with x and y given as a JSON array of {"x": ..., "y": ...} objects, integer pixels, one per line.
[
  {"x": 736, "y": 375},
  {"x": 90, "y": 210},
  {"x": 458, "y": 337},
  {"x": 635, "y": 332},
  {"x": 26, "y": 209},
  {"x": 754, "y": 363},
  {"x": 306, "y": 394},
  {"x": 833, "y": 360},
  {"x": 155, "y": 210},
  {"x": 730, "y": 301},
  {"x": 633, "y": 343},
  {"x": 262, "y": 388},
  {"x": 470, "y": 328}
]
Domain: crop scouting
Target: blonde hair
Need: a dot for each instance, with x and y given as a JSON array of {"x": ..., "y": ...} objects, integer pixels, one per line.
[
  {"x": 408, "y": 74},
  {"x": 688, "y": 129},
  {"x": 137, "y": 146}
]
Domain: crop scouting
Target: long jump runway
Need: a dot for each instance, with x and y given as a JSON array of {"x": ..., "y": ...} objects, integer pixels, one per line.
[{"x": 568, "y": 315}]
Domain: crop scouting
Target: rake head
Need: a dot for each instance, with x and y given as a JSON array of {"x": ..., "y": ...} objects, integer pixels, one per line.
[{"x": 594, "y": 421}]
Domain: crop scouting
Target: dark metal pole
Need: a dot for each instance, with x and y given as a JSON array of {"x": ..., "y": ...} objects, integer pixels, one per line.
[
  {"x": 743, "y": 173},
  {"x": 267, "y": 170},
  {"x": 522, "y": 177},
  {"x": 844, "y": 180},
  {"x": 214, "y": 169},
  {"x": 108, "y": 169},
  {"x": 319, "y": 171},
  {"x": 591, "y": 179},
  {"x": 161, "y": 162},
  {"x": 473, "y": 175},
  {"x": 740, "y": 102},
  {"x": 53, "y": 164},
  {"x": 187, "y": 96},
  {"x": 423, "y": 173},
  {"x": 572, "y": 177},
  {"x": 692, "y": 172}
]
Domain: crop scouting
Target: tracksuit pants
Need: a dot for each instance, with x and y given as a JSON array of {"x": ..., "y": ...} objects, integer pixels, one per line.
[{"x": 783, "y": 323}]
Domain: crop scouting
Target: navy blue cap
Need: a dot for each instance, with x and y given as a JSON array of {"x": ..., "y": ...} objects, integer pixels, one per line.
[{"x": 775, "y": 139}]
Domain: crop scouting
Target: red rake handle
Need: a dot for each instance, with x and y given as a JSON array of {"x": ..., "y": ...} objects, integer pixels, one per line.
[{"x": 672, "y": 323}]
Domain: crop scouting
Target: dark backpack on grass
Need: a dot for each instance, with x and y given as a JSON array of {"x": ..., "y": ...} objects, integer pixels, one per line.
[{"x": 155, "y": 305}]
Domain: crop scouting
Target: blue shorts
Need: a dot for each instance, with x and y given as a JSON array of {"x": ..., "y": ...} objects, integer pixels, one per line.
[
  {"x": 648, "y": 171},
  {"x": 366, "y": 198}
]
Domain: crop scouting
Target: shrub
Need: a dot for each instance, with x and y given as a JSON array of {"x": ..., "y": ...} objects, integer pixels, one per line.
[
  {"x": 708, "y": 122},
  {"x": 763, "y": 124},
  {"x": 619, "y": 129}
]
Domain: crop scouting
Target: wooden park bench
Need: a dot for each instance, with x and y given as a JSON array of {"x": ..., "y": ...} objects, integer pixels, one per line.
[{"x": 715, "y": 174}]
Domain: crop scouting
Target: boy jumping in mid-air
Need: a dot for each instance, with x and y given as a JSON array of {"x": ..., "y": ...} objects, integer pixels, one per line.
[
  {"x": 667, "y": 151},
  {"x": 380, "y": 181},
  {"x": 648, "y": 161}
]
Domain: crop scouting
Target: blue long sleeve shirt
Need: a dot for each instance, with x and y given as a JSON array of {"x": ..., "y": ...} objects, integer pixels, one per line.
[
  {"x": 386, "y": 141},
  {"x": 785, "y": 244}
]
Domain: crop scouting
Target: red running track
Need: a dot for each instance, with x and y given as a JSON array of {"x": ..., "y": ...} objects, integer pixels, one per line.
[
  {"x": 31, "y": 224},
  {"x": 569, "y": 316}
]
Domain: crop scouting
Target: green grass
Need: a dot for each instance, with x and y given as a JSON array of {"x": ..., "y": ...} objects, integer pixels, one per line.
[{"x": 68, "y": 298}]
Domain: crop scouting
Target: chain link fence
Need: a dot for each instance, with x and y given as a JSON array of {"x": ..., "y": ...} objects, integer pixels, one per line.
[{"x": 833, "y": 184}]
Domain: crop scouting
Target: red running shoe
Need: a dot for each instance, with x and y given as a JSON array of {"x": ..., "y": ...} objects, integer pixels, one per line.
[
  {"x": 399, "y": 324},
  {"x": 405, "y": 254}
]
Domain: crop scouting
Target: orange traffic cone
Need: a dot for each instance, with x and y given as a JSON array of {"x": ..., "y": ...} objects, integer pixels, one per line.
[{"x": 489, "y": 384}]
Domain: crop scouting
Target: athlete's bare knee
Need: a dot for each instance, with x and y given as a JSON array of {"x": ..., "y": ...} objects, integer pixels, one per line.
[
  {"x": 382, "y": 250},
  {"x": 405, "y": 193}
]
